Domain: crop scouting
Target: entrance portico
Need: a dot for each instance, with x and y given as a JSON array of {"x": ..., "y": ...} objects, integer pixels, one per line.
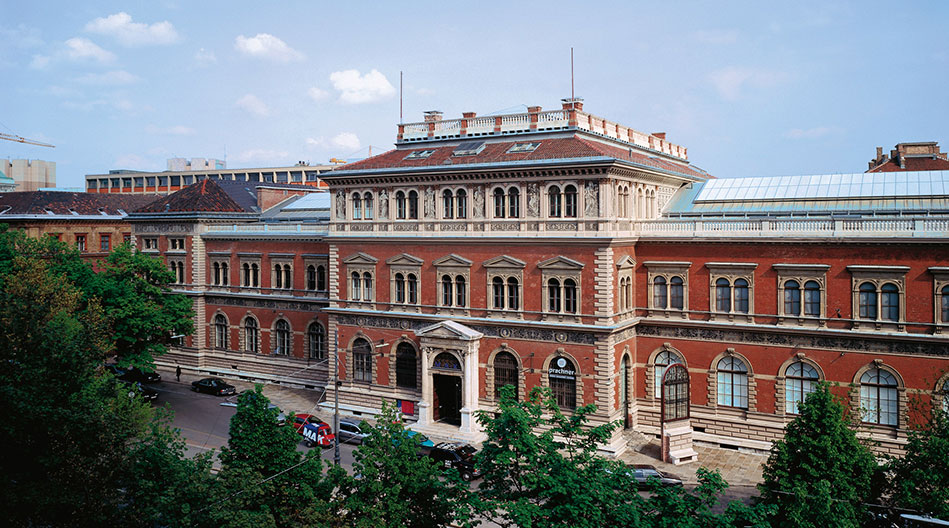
[{"x": 449, "y": 380}]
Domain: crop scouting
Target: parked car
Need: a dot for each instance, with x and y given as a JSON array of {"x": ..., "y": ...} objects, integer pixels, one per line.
[
  {"x": 215, "y": 386},
  {"x": 135, "y": 387},
  {"x": 317, "y": 434},
  {"x": 424, "y": 444},
  {"x": 281, "y": 418},
  {"x": 643, "y": 472},
  {"x": 301, "y": 419},
  {"x": 349, "y": 432},
  {"x": 144, "y": 376},
  {"x": 458, "y": 456}
]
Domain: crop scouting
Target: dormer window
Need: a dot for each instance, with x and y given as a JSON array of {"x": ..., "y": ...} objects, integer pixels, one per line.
[
  {"x": 468, "y": 148},
  {"x": 419, "y": 154},
  {"x": 520, "y": 148}
]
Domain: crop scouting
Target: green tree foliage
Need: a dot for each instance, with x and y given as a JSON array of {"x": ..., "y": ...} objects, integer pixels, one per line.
[
  {"x": 394, "y": 487},
  {"x": 820, "y": 475},
  {"x": 919, "y": 480},
  {"x": 677, "y": 507},
  {"x": 264, "y": 480}
]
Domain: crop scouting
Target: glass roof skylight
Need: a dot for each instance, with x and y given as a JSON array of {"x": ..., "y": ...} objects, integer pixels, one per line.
[
  {"x": 468, "y": 148},
  {"x": 827, "y": 187},
  {"x": 519, "y": 148},
  {"x": 419, "y": 154}
]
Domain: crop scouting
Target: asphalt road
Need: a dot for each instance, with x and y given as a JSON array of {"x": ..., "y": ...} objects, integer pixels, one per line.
[{"x": 204, "y": 422}]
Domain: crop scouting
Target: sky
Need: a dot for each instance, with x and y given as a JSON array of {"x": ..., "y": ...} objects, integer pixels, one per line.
[{"x": 796, "y": 88}]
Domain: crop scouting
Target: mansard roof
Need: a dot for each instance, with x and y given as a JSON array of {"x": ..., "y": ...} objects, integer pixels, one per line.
[
  {"x": 71, "y": 203},
  {"x": 550, "y": 149}
]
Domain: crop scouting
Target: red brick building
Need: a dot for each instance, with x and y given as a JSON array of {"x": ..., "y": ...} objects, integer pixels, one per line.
[{"x": 559, "y": 249}]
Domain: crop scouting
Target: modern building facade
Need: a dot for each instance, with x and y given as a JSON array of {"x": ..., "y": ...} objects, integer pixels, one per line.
[
  {"x": 29, "y": 175},
  {"x": 137, "y": 182}
]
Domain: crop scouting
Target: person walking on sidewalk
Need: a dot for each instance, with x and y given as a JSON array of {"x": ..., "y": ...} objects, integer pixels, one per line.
[{"x": 178, "y": 373}]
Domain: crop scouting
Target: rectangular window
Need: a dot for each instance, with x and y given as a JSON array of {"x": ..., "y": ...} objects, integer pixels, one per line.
[
  {"x": 81, "y": 243},
  {"x": 150, "y": 243},
  {"x": 176, "y": 244},
  {"x": 105, "y": 244}
]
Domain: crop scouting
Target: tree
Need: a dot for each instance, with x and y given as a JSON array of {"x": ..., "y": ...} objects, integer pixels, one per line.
[
  {"x": 920, "y": 479},
  {"x": 676, "y": 507},
  {"x": 540, "y": 467},
  {"x": 395, "y": 487},
  {"x": 264, "y": 480},
  {"x": 820, "y": 474}
]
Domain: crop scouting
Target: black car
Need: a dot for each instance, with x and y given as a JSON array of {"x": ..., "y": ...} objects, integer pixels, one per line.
[
  {"x": 133, "y": 374},
  {"x": 134, "y": 387},
  {"x": 458, "y": 456},
  {"x": 214, "y": 386}
]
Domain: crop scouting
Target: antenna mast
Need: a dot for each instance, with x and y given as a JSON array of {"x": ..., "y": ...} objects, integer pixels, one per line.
[
  {"x": 400, "y": 96},
  {"x": 572, "y": 95}
]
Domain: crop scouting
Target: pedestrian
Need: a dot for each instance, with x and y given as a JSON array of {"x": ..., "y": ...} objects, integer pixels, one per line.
[{"x": 178, "y": 373}]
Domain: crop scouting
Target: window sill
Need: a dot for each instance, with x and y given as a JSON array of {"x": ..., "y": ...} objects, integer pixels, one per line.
[
  {"x": 870, "y": 324},
  {"x": 731, "y": 317},
  {"x": 668, "y": 313}
]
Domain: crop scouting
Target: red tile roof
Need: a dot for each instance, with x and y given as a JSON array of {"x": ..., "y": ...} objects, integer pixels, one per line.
[
  {"x": 912, "y": 164},
  {"x": 64, "y": 203},
  {"x": 557, "y": 148},
  {"x": 204, "y": 196}
]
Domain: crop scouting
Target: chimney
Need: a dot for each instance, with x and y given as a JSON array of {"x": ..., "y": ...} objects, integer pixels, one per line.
[
  {"x": 532, "y": 112},
  {"x": 660, "y": 135},
  {"x": 433, "y": 115},
  {"x": 879, "y": 153},
  {"x": 573, "y": 103},
  {"x": 468, "y": 115}
]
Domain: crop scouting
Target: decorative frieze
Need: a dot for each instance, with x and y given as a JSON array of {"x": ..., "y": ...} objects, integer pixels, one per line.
[
  {"x": 272, "y": 304},
  {"x": 164, "y": 228}
]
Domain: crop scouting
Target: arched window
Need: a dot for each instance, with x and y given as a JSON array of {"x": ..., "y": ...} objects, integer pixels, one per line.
[
  {"x": 255, "y": 275},
  {"x": 461, "y": 204},
  {"x": 570, "y": 201},
  {"x": 357, "y": 206},
  {"x": 732, "y": 383},
  {"x": 513, "y": 203},
  {"x": 311, "y": 277},
  {"x": 622, "y": 294},
  {"x": 367, "y": 286},
  {"x": 367, "y": 203},
  {"x": 505, "y": 373},
  {"x": 400, "y": 288},
  {"x": 499, "y": 203},
  {"x": 362, "y": 360},
  {"x": 553, "y": 295},
  {"x": 569, "y": 296},
  {"x": 246, "y": 268},
  {"x": 723, "y": 296},
  {"x": 659, "y": 292},
  {"x": 879, "y": 399},
  {"x": 406, "y": 366},
  {"x": 446, "y": 290},
  {"x": 282, "y": 330},
  {"x": 448, "y": 203},
  {"x": 220, "y": 331},
  {"x": 497, "y": 292},
  {"x": 800, "y": 380},
  {"x": 663, "y": 360},
  {"x": 741, "y": 295},
  {"x": 629, "y": 294},
  {"x": 400, "y": 205},
  {"x": 554, "y": 199},
  {"x": 676, "y": 295},
  {"x": 287, "y": 276},
  {"x": 320, "y": 278},
  {"x": 945, "y": 304},
  {"x": 461, "y": 292},
  {"x": 412, "y": 282},
  {"x": 812, "y": 299},
  {"x": 413, "y": 205},
  {"x": 792, "y": 298},
  {"x": 890, "y": 302},
  {"x": 316, "y": 338},
  {"x": 224, "y": 278},
  {"x": 513, "y": 294},
  {"x": 217, "y": 273},
  {"x": 563, "y": 382},
  {"x": 278, "y": 276},
  {"x": 356, "y": 287},
  {"x": 251, "y": 335},
  {"x": 868, "y": 301}
]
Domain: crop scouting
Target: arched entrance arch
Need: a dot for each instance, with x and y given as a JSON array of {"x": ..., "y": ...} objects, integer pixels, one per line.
[{"x": 447, "y": 379}]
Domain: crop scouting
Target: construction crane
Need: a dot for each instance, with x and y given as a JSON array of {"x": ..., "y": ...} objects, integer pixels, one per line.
[{"x": 21, "y": 139}]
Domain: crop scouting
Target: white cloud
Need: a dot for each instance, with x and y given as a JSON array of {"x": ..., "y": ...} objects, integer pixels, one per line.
[
  {"x": 809, "y": 133},
  {"x": 79, "y": 48},
  {"x": 317, "y": 94},
  {"x": 177, "y": 130},
  {"x": 355, "y": 88},
  {"x": 266, "y": 46},
  {"x": 109, "y": 78},
  {"x": 121, "y": 27},
  {"x": 263, "y": 156},
  {"x": 39, "y": 62},
  {"x": 204, "y": 57},
  {"x": 315, "y": 142},
  {"x": 345, "y": 140},
  {"x": 251, "y": 103},
  {"x": 730, "y": 81},
  {"x": 716, "y": 36}
]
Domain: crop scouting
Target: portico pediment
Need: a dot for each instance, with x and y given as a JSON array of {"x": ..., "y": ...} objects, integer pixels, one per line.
[
  {"x": 626, "y": 262},
  {"x": 453, "y": 260},
  {"x": 360, "y": 258},
  {"x": 505, "y": 261},
  {"x": 560, "y": 263},
  {"x": 449, "y": 330},
  {"x": 404, "y": 259}
]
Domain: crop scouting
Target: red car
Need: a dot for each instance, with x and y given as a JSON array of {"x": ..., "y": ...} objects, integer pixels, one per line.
[{"x": 314, "y": 431}]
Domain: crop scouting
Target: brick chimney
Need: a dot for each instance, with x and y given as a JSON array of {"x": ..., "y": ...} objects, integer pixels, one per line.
[
  {"x": 433, "y": 115},
  {"x": 573, "y": 103},
  {"x": 660, "y": 135},
  {"x": 532, "y": 112}
]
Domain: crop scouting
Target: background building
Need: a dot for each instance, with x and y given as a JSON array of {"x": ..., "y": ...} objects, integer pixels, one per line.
[
  {"x": 136, "y": 182},
  {"x": 29, "y": 175}
]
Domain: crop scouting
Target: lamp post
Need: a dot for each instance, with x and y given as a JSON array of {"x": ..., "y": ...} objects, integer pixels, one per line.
[{"x": 336, "y": 396}]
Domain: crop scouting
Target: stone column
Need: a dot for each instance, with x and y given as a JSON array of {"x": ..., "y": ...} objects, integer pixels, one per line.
[
  {"x": 425, "y": 404},
  {"x": 469, "y": 389}
]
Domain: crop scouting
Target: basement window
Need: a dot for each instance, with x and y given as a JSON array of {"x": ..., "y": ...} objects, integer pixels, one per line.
[
  {"x": 419, "y": 154},
  {"x": 469, "y": 148},
  {"x": 519, "y": 148}
]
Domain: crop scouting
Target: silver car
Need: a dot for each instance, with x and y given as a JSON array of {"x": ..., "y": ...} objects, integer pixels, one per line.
[{"x": 349, "y": 432}]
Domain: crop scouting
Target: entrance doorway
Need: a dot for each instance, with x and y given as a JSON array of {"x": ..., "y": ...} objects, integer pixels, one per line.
[{"x": 447, "y": 398}]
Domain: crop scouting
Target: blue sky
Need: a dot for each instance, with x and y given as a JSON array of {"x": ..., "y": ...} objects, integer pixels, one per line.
[{"x": 801, "y": 88}]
